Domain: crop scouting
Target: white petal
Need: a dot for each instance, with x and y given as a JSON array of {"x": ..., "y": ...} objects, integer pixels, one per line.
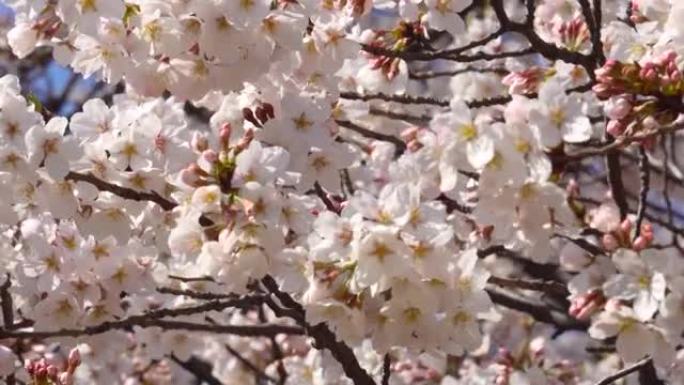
[{"x": 634, "y": 343}]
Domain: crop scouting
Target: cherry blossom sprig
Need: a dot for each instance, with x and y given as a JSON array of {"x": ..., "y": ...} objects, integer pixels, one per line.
[{"x": 43, "y": 373}]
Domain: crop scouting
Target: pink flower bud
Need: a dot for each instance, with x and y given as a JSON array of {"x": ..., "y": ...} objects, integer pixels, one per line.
[
  {"x": 74, "y": 358},
  {"x": 604, "y": 90},
  {"x": 41, "y": 373},
  {"x": 409, "y": 134},
  {"x": 648, "y": 74},
  {"x": 615, "y": 128},
  {"x": 640, "y": 243},
  {"x": 30, "y": 367},
  {"x": 647, "y": 230},
  {"x": 224, "y": 134},
  {"x": 617, "y": 108},
  {"x": 626, "y": 226},
  {"x": 584, "y": 306},
  {"x": 609, "y": 242},
  {"x": 52, "y": 372},
  {"x": 414, "y": 146}
]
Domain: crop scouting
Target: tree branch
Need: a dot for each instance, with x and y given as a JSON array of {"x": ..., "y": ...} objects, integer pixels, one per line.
[
  {"x": 321, "y": 334},
  {"x": 624, "y": 372},
  {"x": 399, "y": 145},
  {"x": 645, "y": 178},
  {"x": 124, "y": 192},
  {"x": 539, "y": 311}
]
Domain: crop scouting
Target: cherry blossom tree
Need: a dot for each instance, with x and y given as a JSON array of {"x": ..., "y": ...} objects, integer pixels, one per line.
[{"x": 342, "y": 192}]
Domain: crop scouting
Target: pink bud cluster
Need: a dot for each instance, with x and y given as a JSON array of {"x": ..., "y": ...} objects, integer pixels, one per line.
[
  {"x": 659, "y": 77},
  {"x": 622, "y": 237},
  {"x": 404, "y": 35},
  {"x": 215, "y": 166},
  {"x": 640, "y": 96},
  {"x": 44, "y": 373}
]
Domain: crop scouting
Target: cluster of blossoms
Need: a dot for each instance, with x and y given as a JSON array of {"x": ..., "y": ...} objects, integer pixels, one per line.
[
  {"x": 353, "y": 231},
  {"x": 640, "y": 97},
  {"x": 43, "y": 373}
]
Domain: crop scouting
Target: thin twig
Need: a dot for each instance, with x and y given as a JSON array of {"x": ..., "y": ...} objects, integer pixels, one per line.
[
  {"x": 624, "y": 372},
  {"x": 200, "y": 369},
  {"x": 326, "y": 200},
  {"x": 399, "y": 145},
  {"x": 530, "y": 284},
  {"x": 124, "y": 192},
  {"x": 249, "y": 365},
  {"x": 321, "y": 334},
  {"x": 386, "y": 370},
  {"x": 645, "y": 178},
  {"x": 537, "y": 310}
]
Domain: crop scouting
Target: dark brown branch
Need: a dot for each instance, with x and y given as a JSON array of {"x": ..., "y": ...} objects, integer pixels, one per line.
[
  {"x": 452, "y": 205},
  {"x": 448, "y": 54},
  {"x": 7, "y": 303},
  {"x": 645, "y": 178},
  {"x": 436, "y": 74},
  {"x": 323, "y": 196},
  {"x": 404, "y": 99},
  {"x": 7, "y": 314},
  {"x": 200, "y": 369},
  {"x": 622, "y": 142},
  {"x": 196, "y": 294},
  {"x": 429, "y": 56},
  {"x": 399, "y": 145},
  {"x": 124, "y": 192},
  {"x": 594, "y": 30},
  {"x": 530, "y": 284},
  {"x": 539, "y": 311},
  {"x": 418, "y": 120},
  {"x": 249, "y": 365},
  {"x": 548, "y": 50},
  {"x": 624, "y": 372},
  {"x": 154, "y": 318},
  {"x": 142, "y": 321},
  {"x": 386, "y": 369},
  {"x": 321, "y": 334}
]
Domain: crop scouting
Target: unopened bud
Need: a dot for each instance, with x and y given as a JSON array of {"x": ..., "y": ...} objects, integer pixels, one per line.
[
  {"x": 640, "y": 243},
  {"x": 615, "y": 128},
  {"x": 626, "y": 226},
  {"x": 609, "y": 242},
  {"x": 409, "y": 134},
  {"x": 617, "y": 108},
  {"x": 52, "y": 372},
  {"x": 74, "y": 358},
  {"x": 245, "y": 141},
  {"x": 414, "y": 146},
  {"x": 224, "y": 134}
]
